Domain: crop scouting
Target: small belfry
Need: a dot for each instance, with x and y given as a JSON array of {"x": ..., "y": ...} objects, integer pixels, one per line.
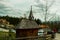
[{"x": 31, "y": 17}]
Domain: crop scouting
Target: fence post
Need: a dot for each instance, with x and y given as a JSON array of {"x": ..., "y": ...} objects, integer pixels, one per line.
[{"x": 9, "y": 33}]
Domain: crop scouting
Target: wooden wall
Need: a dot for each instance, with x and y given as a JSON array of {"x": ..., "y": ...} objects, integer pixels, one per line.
[{"x": 26, "y": 32}]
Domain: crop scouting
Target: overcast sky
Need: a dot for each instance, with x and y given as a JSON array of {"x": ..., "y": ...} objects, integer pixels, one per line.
[{"x": 20, "y": 7}]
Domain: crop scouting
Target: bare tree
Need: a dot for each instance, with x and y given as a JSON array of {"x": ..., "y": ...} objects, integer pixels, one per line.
[{"x": 45, "y": 8}]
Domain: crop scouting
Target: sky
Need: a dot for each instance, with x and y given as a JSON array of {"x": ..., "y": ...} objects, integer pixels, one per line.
[{"x": 18, "y": 8}]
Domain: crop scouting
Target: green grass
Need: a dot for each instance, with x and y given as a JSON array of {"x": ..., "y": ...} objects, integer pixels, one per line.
[{"x": 5, "y": 35}]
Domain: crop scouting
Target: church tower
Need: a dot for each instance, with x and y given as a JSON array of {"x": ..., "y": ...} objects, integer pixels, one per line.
[{"x": 31, "y": 15}]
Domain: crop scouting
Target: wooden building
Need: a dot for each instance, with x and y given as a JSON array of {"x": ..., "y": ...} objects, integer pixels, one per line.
[{"x": 27, "y": 28}]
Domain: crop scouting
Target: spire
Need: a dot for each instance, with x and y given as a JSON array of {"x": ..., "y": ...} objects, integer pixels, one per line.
[{"x": 31, "y": 15}]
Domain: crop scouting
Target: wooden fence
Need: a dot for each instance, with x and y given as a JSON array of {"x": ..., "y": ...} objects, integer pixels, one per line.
[{"x": 28, "y": 38}]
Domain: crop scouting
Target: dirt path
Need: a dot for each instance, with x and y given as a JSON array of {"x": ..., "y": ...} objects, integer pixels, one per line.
[{"x": 57, "y": 36}]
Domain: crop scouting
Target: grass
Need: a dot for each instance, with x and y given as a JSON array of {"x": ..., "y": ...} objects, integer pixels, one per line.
[{"x": 5, "y": 35}]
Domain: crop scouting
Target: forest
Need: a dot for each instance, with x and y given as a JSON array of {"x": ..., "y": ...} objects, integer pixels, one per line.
[{"x": 16, "y": 20}]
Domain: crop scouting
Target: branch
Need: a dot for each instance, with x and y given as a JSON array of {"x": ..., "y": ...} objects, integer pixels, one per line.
[
  {"x": 51, "y": 4},
  {"x": 53, "y": 16}
]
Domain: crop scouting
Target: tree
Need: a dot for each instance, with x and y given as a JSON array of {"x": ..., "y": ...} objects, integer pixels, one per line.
[
  {"x": 45, "y": 8},
  {"x": 38, "y": 21},
  {"x": 11, "y": 20}
]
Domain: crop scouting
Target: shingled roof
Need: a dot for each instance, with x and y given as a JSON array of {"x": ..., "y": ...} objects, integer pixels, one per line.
[{"x": 27, "y": 24}]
